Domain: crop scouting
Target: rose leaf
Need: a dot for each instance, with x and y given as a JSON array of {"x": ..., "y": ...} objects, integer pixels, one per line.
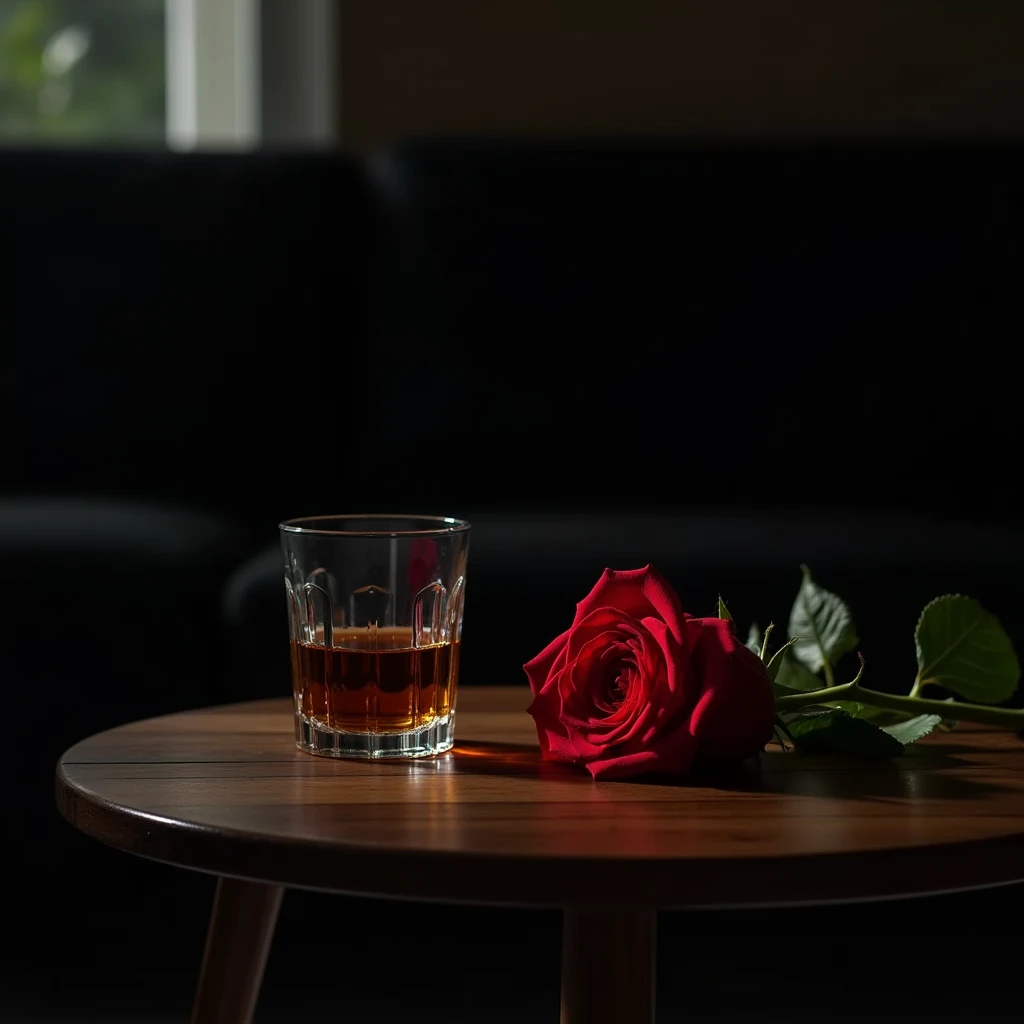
[
  {"x": 794, "y": 675},
  {"x": 807, "y": 711},
  {"x": 774, "y": 663},
  {"x": 723, "y": 612},
  {"x": 824, "y": 623},
  {"x": 781, "y": 690},
  {"x": 835, "y": 731},
  {"x": 913, "y": 730},
  {"x": 963, "y": 648},
  {"x": 754, "y": 639},
  {"x": 907, "y": 728},
  {"x": 880, "y": 716}
]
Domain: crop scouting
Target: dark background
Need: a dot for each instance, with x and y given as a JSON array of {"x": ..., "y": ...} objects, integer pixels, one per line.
[{"x": 721, "y": 359}]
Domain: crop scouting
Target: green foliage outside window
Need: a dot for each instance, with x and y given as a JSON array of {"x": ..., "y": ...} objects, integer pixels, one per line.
[{"x": 82, "y": 71}]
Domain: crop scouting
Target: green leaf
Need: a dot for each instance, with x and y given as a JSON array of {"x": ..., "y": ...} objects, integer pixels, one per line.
[
  {"x": 837, "y": 732},
  {"x": 901, "y": 726},
  {"x": 913, "y": 730},
  {"x": 774, "y": 663},
  {"x": 781, "y": 690},
  {"x": 723, "y": 612},
  {"x": 807, "y": 711},
  {"x": 823, "y": 622},
  {"x": 754, "y": 639},
  {"x": 794, "y": 675},
  {"x": 963, "y": 648},
  {"x": 879, "y": 716},
  {"x": 858, "y": 710},
  {"x": 898, "y": 724}
]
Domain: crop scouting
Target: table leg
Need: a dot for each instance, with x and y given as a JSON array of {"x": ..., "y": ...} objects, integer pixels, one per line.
[
  {"x": 608, "y": 966},
  {"x": 237, "y": 944}
]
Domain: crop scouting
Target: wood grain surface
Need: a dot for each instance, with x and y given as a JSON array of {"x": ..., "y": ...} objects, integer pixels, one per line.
[
  {"x": 237, "y": 944},
  {"x": 608, "y": 966},
  {"x": 225, "y": 790}
]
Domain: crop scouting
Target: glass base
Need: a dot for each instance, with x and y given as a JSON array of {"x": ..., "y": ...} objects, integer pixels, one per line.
[{"x": 432, "y": 739}]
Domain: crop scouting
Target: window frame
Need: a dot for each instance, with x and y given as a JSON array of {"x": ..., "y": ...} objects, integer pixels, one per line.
[{"x": 247, "y": 73}]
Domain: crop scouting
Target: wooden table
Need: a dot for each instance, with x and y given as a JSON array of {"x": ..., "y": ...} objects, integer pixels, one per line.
[{"x": 225, "y": 790}]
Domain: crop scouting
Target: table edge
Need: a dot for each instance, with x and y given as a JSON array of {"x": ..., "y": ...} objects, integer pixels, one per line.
[{"x": 531, "y": 881}]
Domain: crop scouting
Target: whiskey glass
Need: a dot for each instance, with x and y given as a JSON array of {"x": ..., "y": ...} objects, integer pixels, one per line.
[{"x": 375, "y": 622}]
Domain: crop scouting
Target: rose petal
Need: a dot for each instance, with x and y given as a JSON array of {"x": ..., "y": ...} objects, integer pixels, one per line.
[
  {"x": 581, "y": 686},
  {"x": 556, "y": 744},
  {"x": 675, "y": 657},
  {"x": 638, "y": 714},
  {"x": 600, "y": 620},
  {"x": 734, "y": 715},
  {"x": 617, "y": 662},
  {"x": 638, "y": 593},
  {"x": 659, "y": 689},
  {"x": 586, "y": 674},
  {"x": 539, "y": 669},
  {"x": 672, "y": 754}
]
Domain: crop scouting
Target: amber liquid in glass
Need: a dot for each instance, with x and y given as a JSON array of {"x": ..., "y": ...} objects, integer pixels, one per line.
[{"x": 374, "y": 681}]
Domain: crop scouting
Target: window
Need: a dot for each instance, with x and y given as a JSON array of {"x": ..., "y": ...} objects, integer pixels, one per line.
[
  {"x": 82, "y": 71},
  {"x": 184, "y": 73}
]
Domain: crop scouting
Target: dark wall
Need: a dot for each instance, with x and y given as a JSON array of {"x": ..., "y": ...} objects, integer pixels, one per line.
[
  {"x": 721, "y": 359},
  {"x": 174, "y": 325},
  {"x": 627, "y": 326},
  {"x": 734, "y": 69},
  {"x": 471, "y": 327}
]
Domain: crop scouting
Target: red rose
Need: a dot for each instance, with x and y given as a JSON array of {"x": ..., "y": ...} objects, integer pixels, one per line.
[{"x": 636, "y": 685}]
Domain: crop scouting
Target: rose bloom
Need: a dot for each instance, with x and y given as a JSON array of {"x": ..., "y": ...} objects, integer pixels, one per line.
[{"x": 637, "y": 685}]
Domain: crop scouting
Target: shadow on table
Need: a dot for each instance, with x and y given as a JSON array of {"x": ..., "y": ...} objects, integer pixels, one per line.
[
  {"x": 939, "y": 776},
  {"x": 936, "y": 775}
]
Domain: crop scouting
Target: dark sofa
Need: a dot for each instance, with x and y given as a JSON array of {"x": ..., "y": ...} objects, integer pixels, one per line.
[{"x": 722, "y": 360}]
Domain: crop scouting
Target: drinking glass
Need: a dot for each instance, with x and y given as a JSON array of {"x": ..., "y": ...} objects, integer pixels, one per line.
[{"x": 375, "y": 616}]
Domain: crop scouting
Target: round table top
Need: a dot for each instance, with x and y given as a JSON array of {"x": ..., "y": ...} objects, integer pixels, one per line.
[{"x": 225, "y": 790}]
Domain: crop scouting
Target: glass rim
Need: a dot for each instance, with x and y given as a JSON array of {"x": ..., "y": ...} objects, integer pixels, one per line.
[{"x": 445, "y": 525}]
